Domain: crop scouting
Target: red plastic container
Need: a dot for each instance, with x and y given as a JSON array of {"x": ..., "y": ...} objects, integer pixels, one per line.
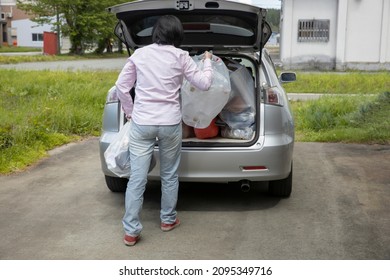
[{"x": 209, "y": 132}]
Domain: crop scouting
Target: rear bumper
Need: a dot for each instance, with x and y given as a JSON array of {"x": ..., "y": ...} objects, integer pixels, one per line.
[{"x": 225, "y": 164}]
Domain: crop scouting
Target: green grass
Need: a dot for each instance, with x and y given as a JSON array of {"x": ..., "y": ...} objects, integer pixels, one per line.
[
  {"x": 41, "y": 58},
  {"x": 33, "y": 58},
  {"x": 12, "y": 49},
  {"x": 349, "y": 119},
  {"x": 341, "y": 83},
  {"x": 40, "y": 110}
]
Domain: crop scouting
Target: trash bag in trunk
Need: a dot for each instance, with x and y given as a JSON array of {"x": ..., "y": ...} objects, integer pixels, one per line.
[{"x": 201, "y": 107}]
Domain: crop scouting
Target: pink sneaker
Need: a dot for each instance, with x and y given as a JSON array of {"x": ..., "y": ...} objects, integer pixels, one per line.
[
  {"x": 168, "y": 227},
  {"x": 131, "y": 240}
]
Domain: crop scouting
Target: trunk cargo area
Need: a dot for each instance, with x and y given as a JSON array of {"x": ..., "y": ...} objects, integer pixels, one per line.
[{"x": 236, "y": 122}]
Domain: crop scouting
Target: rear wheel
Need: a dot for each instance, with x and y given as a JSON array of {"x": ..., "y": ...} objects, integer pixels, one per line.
[
  {"x": 281, "y": 187},
  {"x": 116, "y": 184}
]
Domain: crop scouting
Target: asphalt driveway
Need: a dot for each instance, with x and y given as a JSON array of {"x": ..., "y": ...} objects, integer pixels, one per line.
[{"x": 339, "y": 209}]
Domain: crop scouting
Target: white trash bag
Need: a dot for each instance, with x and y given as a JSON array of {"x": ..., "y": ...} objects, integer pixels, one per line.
[
  {"x": 117, "y": 154},
  {"x": 201, "y": 107},
  {"x": 240, "y": 111}
]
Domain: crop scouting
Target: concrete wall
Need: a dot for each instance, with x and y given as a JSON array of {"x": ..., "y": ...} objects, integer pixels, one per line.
[
  {"x": 359, "y": 35},
  {"x": 364, "y": 35},
  {"x": 307, "y": 54}
]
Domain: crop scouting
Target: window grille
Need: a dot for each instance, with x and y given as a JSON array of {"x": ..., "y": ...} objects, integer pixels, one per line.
[{"x": 313, "y": 30}]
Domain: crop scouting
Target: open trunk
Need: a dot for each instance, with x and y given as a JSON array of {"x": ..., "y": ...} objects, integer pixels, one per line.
[
  {"x": 237, "y": 123},
  {"x": 207, "y": 24}
]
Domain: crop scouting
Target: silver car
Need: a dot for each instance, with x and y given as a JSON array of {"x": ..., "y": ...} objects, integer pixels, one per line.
[{"x": 236, "y": 33}]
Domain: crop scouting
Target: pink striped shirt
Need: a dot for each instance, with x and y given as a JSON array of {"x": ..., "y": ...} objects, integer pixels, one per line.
[{"x": 158, "y": 71}]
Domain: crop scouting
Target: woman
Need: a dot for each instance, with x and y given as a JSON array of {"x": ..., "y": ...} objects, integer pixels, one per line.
[{"x": 159, "y": 70}]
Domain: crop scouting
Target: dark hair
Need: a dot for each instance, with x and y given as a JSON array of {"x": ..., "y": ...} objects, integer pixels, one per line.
[{"x": 168, "y": 30}]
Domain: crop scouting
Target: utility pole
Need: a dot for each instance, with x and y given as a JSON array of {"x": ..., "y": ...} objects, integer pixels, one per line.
[
  {"x": 58, "y": 30},
  {"x": 1, "y": 28}
]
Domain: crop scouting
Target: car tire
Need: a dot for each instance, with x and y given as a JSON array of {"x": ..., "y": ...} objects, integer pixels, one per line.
[
  {"x": 116, "y": 184},
  {"x": 282, "y": 187}
]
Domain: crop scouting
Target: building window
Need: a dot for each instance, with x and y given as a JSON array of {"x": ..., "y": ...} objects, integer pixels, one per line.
[
  {"x": 313, "y": 30},
  {"x": 36, "y": 37}
]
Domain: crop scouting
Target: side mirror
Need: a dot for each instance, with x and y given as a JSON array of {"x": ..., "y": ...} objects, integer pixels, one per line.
[{"x": 287, "y": 77}]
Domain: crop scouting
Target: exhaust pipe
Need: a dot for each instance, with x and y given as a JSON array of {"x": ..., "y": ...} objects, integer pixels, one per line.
[{"x": 245, "y": 186}]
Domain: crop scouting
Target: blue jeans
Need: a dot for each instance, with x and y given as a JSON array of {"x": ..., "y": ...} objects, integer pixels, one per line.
[{"x": 142, "y": 141}]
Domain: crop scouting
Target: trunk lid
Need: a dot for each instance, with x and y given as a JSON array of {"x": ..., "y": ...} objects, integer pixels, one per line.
[{"x": 212, "y": 25}]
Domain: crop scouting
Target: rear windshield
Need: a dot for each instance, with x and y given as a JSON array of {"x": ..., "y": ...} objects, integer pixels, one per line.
[{"x": 200, "y": 29}]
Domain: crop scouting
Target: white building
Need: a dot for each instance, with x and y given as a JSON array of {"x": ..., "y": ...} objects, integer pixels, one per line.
[
  {"x": 29, "y": 33},
  {"x": 335, "y": 34}
]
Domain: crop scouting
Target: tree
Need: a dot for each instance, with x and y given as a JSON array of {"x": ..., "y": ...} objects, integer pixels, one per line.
[
  {"x": 273, "y": 18},
  {"x": 86, "y": 22}
]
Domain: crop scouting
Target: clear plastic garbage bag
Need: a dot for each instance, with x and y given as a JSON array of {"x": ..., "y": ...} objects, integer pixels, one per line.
[
  {"x": 238, "y": 120},
  {"x": 201, "y": 107},
  {"x": 242, "y": 96},
  {"x": 117, "y": 155},
  {"x": 239, "y": 133},
  {"x": 240, "y": 110}
]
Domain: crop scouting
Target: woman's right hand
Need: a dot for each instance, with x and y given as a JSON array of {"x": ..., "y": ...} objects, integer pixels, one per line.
[{"x": 207, "y": 55}]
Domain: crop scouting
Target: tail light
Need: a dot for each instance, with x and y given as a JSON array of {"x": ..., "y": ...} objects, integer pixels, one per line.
[
  {"x": 273, "y": 96},
  {"x": 111, "y": 95}
]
